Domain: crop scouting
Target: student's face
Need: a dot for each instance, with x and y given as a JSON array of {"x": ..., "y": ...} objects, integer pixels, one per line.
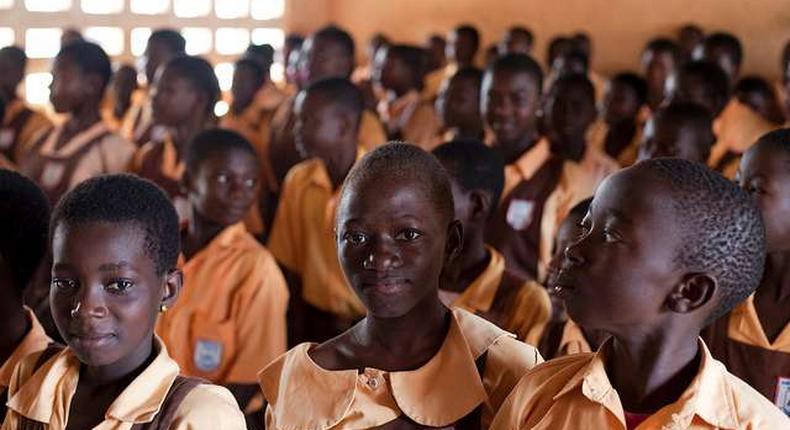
[
  {"x": 392, "y": 244},
  {"x": 657, "y": 68},
  {"x": 569, "y": 231},
  {"x": 175, "y": 99},
  {"x": 224, "y": 186},
  {"x": 105, "y": 292},
  {"x": 509, "y": 103},
  {"x": 515, "y": 43},
  {"x": 320, "y": 128},
  {"x": 458, "y": 103},
  {"x": 662, "y": 138},
  {"x": 156, "y": 54},
  {"x": 685, "y": 88},
  {"x": 70, "y": 86},
  {"x": 324, "y": 59},
  {"x": 617, "y": 275},
  {"x": 766, "y": 175},
  {"x": 389, "y": 71},
  {"x": 568, "y": 65},
  {"x": 620, "y": 104},
  {"x": 460, "y": 48},
  {"x": 10, "y": 77},
  {"x": 246, "y": 84},
  {"x": 718, "y": 56},
  {"x": 569, "y": 112}
]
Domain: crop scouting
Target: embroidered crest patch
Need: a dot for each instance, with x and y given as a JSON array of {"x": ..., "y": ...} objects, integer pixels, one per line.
[
  {"x": 519, "y": 214},
  {"x": 208, "y": 355},
  {"x": 783, "y": 395}
]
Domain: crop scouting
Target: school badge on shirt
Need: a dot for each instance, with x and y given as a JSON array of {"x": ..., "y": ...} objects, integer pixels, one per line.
[
  {"x": 783, "y": 395},
  {"x": 208, "y": 355},
  {"x": 519, "y": 213}
]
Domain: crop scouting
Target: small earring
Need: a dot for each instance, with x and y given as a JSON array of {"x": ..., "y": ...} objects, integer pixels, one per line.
[{"x": 162, "y": 308}]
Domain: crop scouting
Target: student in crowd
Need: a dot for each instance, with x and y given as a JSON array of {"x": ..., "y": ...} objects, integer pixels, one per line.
[
  {"x": 753, "y": 340},
  {"x": 292, "y": 45},
  {"x": 122, "y": 87},
  {"x": 517, "y": 40},
  {"x": 644, "y": 270},
  {"x": 659, "y": 60},
  {"x": 114, "y": 243},
  {"x": 436, "y": 48},
  {"x": 404, "y": 111},
  {"x": 412, "y": 362},
  {"x": 618, "y": 132},
  {"x": 725, "y": 50},
  {"x": 84, "y": 145},
  {"x": 139, "y": 125},
  {"x": 759, "y": 95},
  {"x": 463, "y": 42},
  {"x": 458, "y": 105},
  {"x": 480, "y": 282},
  {"x": 680, "y": 130},
  {"x": 186, "y": 91},
  {"x": 20, "y": 123},
  {"x": 689, "y": 37},
  {"x": 24, "y": 224}
]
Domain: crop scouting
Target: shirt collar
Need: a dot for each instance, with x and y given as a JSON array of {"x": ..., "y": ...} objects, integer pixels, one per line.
[
  {"x": 480, "y": 294},
  {"x": 428, "y": 395},
  {"x": 76, "y": 143},
  {"x": 139, "y": 402},
  {"x": 745, "y": 326},
  {"x": 573, "y": 340},
  {"x": 708, "y": 397},
  {"x": 35, "y": 340}
]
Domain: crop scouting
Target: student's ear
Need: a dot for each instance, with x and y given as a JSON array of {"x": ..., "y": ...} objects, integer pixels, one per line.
[
  {"x": 93, "y": 83},
  {"x": 479, "y": 205},
  {"x": 693, "y": 292},
  {"x": 174, "y": 280},
  {"x": 455, "y": 241}
]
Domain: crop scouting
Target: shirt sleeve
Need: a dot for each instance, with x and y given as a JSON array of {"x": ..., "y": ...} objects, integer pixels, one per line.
[
  {"x": 506, "y": 362},
  {"x": 422, "y": 128},
  {"x": 261, "y": 325},
  {"x": 208, "y": 407},
  {"x": 286, "y": 234},
  {"x": 531, "y": 313}
]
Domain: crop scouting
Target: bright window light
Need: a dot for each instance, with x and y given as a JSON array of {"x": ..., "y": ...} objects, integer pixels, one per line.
[
  {"x": 232, "y": 41},
  {"x": 47, "y": 5},
  {"x": 109, "y": 38},
  {"x": 42, "y": 42},
  {"x": 230, "y": 9},
  {"x": 272, "y": 36},
  {"x": 139, "y": 38},
  {"x": 192, "y": 8},
  {"x": 221, "y": 108},
  {"x": 267, "y": 9},
  {"x": 6, "y": 4},
  {"x": 224, "y": 72},
  {"x": 198, "y": 40},
  {"x": 277, "y": 72},
  {"x": 102, "y": 7},
  {"x": 149, "y": 7},
  {"x": 7, "y": 37},
  {"x": 37, "y": 88}
]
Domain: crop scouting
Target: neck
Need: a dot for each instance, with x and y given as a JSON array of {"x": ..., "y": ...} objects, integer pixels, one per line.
[
  {"x": 473, "y": 260},
  {"x": 408, "y": 341},
  {"x": 511, "y": 151},
  {"x": 569, "y": 147},
  {"x": 651, "y": 370},
  {"x": 15, "y": 327},
  {"x": 83, "y": 118},
  {"x": 776, "y": 279},
  {"x": 199, "y": 233}
]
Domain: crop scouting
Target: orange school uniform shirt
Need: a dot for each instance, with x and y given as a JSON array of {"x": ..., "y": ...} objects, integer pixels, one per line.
[
  {"x": 737, "y": 128},
  {"x": 518, "y": 306},
  {"x": 457, "y": 384},
  {"x": 229, "y": 321},
  {"x": 20, "y": 125},
  {"x": 303, "y": 239},
  {"x": 412, "y": 119},
  {"x": 574, "y": 392},
  {"x": 34, "y": 341},
  {"x": 44, "y": 396},
  {"x": 93, "y": 152}
]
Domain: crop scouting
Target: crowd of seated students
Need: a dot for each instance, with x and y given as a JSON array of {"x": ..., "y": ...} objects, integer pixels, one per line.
[{"x": 399, "y": 243}]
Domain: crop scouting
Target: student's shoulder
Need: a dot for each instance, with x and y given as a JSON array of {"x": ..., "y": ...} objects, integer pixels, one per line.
[
  {"x": 501, "y": 347},
  {"x": 548, "y": 378},
  {"x": 209, "y": 406},
  {"x": 301, "y": 174},
  {"x": 751, "y": 407}
]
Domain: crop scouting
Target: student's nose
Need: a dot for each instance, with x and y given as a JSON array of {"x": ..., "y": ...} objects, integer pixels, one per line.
[
  {"x": 573, "y": 253},
  {"x": 90, "y": 303},
  {"x": 382, "y": 257}
]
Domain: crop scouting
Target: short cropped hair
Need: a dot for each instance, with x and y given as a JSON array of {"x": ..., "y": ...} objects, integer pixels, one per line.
[
  {"x": 213, "y": 141},
  {"x": 518, "y": 63},
  {"x": 474, "y": 166}
]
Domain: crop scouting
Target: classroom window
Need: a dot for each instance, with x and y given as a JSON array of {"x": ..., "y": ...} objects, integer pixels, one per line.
[
  {"x": 139, "y": 39},
  {"x": 232, "y": 41},
  {"x": 221, "y": 108},
  {"x": 47, "y": 5},
  {"x": 267, "y": 9},
  {"x": 224, "y": 72},
  {"x": 6, "y": 4},
  {"x": 7, "y": 37},
  {"x": 102, "y": 7},
  {"x": 149, "y": 7},
  {"x": 277, "y": 72},
  {"x": 42, "y": 42},
  {"x": 231, "y": 9},
  {"x": 192, "y": 8},
  {"x": 109, "y": 38},
  {"x": 37, "y": 88},
  {"x": 272, "y": 36},
  {"x": 198, "y": 40}
]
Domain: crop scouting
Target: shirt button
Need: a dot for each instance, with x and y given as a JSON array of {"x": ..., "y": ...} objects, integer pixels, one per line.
[{"x": 373, "y": 383}]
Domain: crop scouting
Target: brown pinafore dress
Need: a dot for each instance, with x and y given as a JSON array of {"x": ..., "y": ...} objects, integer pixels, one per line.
[
  {"x": 9, "y": 135},
  {"x": 53, "y": 169},
  {"x": 181, "y": 387},
  {"x": 514, "y": 229}
]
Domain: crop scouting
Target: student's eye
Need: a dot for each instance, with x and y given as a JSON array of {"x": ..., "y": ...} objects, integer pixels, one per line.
[
  {"x": 119, "y": 286},
  {"x": 611, "y": 236},
  {"x": 409, "y": 235},
  {"x": 250, "y": 183},
  {"x": 64, "y": 284},
  {"x": 355, "y": 238},
  {"x": 222, "y": 178}
]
